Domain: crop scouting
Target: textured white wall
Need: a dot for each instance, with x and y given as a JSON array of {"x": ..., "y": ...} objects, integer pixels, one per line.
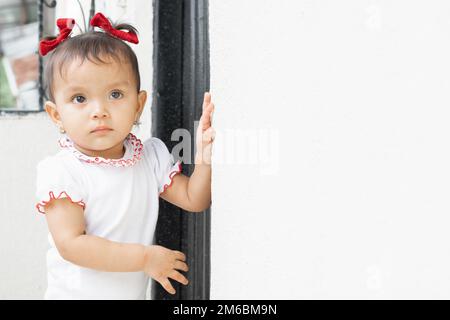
[
  {"x": 23, "y": 233},
  {"x": 27, "y": 140},
  {"x": 358, "y": 93}
]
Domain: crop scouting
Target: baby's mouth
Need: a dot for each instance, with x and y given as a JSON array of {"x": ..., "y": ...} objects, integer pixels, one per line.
[{"x": 101, "y": 129}]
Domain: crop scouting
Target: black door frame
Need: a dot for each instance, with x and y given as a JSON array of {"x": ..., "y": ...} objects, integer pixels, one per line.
[{"x": 181, "y": 76}]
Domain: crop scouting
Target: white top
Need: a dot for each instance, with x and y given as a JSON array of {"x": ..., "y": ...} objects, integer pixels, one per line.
[{"x": 120, "y": 198}]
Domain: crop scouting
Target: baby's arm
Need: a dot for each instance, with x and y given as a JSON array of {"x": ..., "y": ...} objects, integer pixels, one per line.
[
  {"x": 194, "y": 193},
  {"x": 67, "y": 226},
  {"x": 191, "y": 193}
]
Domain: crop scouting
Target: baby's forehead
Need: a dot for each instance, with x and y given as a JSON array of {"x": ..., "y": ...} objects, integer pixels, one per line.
[{"x": 86, "y": 70}]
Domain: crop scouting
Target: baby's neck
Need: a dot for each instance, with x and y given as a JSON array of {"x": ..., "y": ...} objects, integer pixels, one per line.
[{"x": 116, "y": 152}]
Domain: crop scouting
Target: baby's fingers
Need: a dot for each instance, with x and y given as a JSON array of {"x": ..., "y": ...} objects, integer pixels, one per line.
[
  {"x": 167, "y": 285},
  {"x": 180, "y": 255},
  {"x": 175, "y": 275},
  {"x": 206, "y": 99},
  {"x": 207, "y": 116},
  {"x": 179, "y": 265}
]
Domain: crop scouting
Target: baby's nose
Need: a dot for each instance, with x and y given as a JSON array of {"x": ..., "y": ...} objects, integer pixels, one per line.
[{"x": 99, "y": 111}]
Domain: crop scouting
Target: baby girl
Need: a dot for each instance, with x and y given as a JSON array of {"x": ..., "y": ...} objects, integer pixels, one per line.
[{"x": 100, "y": 192}]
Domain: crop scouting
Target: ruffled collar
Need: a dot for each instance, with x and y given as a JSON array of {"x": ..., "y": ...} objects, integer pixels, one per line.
[{"x": 133, "y": 152}]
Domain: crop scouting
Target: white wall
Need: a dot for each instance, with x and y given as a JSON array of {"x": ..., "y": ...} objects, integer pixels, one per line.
[
  {"x": 23, "y": 232},
  {"x": 24, "y": 141},
  {"x": 357, "y": 91}
]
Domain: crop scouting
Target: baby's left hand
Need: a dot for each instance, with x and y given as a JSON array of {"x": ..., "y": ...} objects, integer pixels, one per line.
[{"x": 205, "y": 132}]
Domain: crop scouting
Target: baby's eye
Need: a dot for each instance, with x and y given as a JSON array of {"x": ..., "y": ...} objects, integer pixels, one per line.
[
  {"x": 78, "y": 99},
  {"x": 116, "y": 95}
]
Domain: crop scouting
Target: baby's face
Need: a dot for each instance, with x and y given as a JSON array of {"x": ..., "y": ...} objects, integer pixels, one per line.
[{"x": 91, "y": 95}]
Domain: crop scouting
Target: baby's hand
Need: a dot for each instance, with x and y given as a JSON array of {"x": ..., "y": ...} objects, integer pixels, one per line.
[
  {"x": 205, "y": 132},
  {"x": 161, "y": 263}
]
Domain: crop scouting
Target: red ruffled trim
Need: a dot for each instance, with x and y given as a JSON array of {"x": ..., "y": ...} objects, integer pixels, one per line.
[
  {"x": 65, "y": 142},
  {"x": 171, "y": 175},
  {"x": 42, "y": 204}
]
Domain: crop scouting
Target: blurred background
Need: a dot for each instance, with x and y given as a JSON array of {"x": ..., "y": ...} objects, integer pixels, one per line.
[{"x": 19, "y": 61}]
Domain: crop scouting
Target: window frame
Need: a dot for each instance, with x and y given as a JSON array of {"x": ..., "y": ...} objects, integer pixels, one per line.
[{"x": 15, "y": 111}]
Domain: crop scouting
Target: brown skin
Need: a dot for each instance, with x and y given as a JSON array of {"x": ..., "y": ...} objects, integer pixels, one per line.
[{"x": 90, "y": 95}]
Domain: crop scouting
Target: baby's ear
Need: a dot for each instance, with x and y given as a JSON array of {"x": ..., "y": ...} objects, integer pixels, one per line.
[
  {"x": 142, "y": 98},
  {"x": 50, "y": 108}
]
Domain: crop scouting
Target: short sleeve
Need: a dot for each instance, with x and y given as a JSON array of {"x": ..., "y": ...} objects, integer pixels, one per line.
[
  {"x": 165, "y": 168},
  {"x": 54, "y": 181}
]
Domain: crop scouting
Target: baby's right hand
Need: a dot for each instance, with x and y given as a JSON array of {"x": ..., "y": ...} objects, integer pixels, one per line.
[{"x": 161, "y": 263}]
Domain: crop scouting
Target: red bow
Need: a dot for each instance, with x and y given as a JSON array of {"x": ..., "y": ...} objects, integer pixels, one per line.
[
  {"x": 66, "y": 25},
  {"x": 99, "y": 20},
  {"x": 65, "y": 28}
]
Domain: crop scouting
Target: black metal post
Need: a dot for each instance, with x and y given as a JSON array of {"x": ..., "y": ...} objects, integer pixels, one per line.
[
  {"x": 196, "y": 227},
  {"x": 181, "y": 76},
  {"x": 41, "y": 8},
  {"x": 91, "y": 14},
  {"x": 41, "y": 64}
]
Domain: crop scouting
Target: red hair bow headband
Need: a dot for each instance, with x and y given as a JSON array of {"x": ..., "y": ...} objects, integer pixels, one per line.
[
  {"x": 99, "y": 20},
  {"x": 65, "y": 28}
]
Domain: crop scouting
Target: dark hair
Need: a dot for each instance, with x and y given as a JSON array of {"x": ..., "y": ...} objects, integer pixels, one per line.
[{"x": 90, "y": 45}]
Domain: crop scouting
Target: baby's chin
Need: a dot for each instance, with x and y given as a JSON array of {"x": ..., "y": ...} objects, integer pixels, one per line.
[
  {"x": 98, "y": 142},
  {"x": 106, "y": 151}
]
